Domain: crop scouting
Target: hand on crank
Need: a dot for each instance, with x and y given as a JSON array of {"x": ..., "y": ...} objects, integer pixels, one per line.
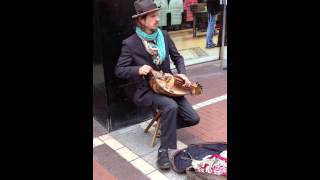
[
  {"x": 144, "y": 70},
  {"x": 187, "y": 82}
]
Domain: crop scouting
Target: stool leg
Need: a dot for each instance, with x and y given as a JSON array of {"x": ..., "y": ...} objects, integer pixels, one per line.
[
  {"x": 156, "y": 132},
  {"x": 153, "y": 120},
  {"x": 149, "y": 125}
]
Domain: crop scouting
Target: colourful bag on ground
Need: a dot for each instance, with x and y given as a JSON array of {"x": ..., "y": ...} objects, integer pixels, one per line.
[
  {"x": 182, "y": 159},
  {"x": 215, "y": 164}
]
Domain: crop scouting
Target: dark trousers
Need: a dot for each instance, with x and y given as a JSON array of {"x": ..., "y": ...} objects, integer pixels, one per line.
[{"x": 176, "y": 113}]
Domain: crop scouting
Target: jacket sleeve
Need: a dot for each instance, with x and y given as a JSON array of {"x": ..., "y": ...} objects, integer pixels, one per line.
[
  {"x": 176, "y": 58},
  {"x": 124, "y": 68}
]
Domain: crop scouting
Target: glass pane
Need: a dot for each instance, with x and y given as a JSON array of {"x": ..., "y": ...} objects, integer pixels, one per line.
[{"x": 193, "y": 26}]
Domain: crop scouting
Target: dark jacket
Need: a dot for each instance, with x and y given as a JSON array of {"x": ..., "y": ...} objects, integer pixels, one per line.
[
  {"x": 213, "y": 6},
  {"x": 134, "y": 55}
]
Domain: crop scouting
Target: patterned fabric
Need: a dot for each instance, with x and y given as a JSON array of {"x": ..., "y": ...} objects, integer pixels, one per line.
[
  {"x": 154, "y": 44},
  {"x": 163, "y": 11},
  {"x": 176, "y": 9},
  {"x": 213, "y": 164},
  {"x": 186, "y": 6}
]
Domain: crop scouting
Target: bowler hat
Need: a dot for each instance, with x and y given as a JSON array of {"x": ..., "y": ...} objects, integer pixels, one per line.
[{"x": 143, "y": 7}]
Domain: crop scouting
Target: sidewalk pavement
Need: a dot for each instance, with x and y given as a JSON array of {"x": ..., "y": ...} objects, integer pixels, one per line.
[{"x": 127, "y": 153}]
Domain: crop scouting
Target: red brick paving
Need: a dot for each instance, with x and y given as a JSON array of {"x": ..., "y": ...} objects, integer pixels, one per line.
[
  {"x": 213, "y": 123},
  {"x": 214, "y": 82},
  {"x": 213, "y": 118},
  {"x": 117, "y": 165},
  {"x": 100, "y": 173},
  {"x": 211, "y": 77},
  {"x": 213, "y": 86}
]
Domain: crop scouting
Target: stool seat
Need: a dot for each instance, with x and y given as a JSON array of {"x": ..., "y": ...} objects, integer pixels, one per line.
[{"x": 156, "y": 118}]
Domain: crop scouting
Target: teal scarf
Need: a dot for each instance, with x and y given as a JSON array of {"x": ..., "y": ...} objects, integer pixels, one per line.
[{"x": 158, "y": 50}]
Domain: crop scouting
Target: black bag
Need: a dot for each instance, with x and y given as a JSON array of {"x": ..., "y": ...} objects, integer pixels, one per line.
[{"x": 182, "y": 159}]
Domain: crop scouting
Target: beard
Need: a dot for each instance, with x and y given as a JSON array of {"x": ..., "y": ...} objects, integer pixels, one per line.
[
  {"x": 154, "y": 27},
  {"x": 151, "y": 28}
]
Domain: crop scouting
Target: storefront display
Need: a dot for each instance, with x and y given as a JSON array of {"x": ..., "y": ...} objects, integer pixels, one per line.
[
  {"x": 189, "y": 34},
  {"x": 176, "y": 10},
  {"x": 164, "y": 8}
]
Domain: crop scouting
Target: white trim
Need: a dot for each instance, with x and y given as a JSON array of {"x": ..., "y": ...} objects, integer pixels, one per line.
[{"x": 210, "y": 101}]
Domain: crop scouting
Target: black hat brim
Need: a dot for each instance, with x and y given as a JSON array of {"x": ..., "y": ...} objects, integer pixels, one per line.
[{"x": 141, "y": 14}]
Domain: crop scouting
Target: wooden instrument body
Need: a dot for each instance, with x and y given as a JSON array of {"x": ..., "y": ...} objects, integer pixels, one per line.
[{"x": 172, "y": 85}]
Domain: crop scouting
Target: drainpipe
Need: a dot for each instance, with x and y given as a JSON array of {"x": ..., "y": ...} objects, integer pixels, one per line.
[{"x": 221, "y": 53}]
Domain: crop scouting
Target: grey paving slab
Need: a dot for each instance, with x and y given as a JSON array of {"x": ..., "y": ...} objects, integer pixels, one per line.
[
  {"x": 188, "y": 138},
  {"x": 136, "y": 140},
  {"x": 151, "y": 158},
  {"x": 124, "y": 130}
]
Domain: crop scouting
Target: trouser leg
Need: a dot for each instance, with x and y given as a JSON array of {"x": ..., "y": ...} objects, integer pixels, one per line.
[
  {"x": 168, "y": 109},
  {"x": 187, "y": 116}
]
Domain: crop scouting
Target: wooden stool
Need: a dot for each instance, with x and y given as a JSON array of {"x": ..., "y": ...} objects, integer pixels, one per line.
[{"x": 156, "y": 118}]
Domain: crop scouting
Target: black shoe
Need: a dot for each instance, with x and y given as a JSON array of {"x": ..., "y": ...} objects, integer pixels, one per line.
[{"x": 163, "y": 161}]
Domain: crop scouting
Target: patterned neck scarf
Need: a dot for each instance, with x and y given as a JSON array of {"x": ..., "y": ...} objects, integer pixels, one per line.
[{"x": 154, "y": 44}]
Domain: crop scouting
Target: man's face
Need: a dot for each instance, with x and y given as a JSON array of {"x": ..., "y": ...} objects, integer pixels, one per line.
[{"x": 151, "y": 21}]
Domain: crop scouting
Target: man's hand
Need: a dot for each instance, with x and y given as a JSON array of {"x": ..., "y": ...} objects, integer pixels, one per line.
[
  {"x": 144, "y": 70},
  {"x": 167, "y": 75},
  {"x": 187, "y": 81}
]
